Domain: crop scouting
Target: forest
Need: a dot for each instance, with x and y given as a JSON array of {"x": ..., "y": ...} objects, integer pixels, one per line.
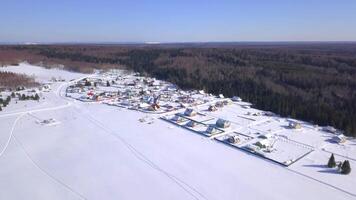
[
  {"x": 13, "y": 81},
  {"x": 315, "y": 82}
]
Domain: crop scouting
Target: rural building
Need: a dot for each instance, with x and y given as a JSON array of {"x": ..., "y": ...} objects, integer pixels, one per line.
[
  {"x": 233, "y": 139},
  {"x": 222, "y": 123},
  {"x": 192, "y": 124},
  {"x": 212, "y": 130},
  {"x": 236, "y": 99},
  {"x": 212, "y": 108},
  {"x": 339, "y": 139},
  {"x": 263, "y": 143},
  {"x": 190, "y": 112},
  {"x": 294, "y": 125},
  {"x": 330, "y": 129},
  {"x": 177, "y": 119}
]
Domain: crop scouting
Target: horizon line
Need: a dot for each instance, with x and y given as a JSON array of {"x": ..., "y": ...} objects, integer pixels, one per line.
[{"x": 176, "y": 42}]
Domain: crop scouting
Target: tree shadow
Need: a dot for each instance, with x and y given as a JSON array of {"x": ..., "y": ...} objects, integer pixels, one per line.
[
  {"x": 330, "y": 171},
  {"x": 330, "y": 140},
  {"x": 316, "y": 166}
]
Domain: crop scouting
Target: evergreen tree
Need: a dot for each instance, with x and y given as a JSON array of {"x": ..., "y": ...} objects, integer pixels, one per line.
[
  {"x": 0, "y": 108},
  {"x": 107, "y": 84},
  {"x": 13, "y": 94},
  {"x": 36, "y": 97},
  {"x": 8, "y": 99},
  {"x": 345, "y": 168},
  {"x": 331, "y": 162}
]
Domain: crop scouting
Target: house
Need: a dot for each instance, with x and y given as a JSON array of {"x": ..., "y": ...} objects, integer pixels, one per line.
[
  {"x": 190, "y": 112},
  {"x": 233, "y": 139},
  {"x": 192, "y": 124},
  {"x": 221, "y": 123},
  {"x": 294, "y": 125},
  {"x": 265, "y": 136},
  {"x": 265, "y": 143},
  {"x": 339, "y": 139},
  {"x": 212, "y": 108},
  {"x": 227, "y": 102},
  {"x": 219, "y": 104},
  {"x": 236, "y": 99},
  {"x": 154, "y": 107},
  {"x": 212, "y": 130},
  {"x": 46, "y": 88},
  {"x": 330, "y": 129},
  {"x": 268, "y": 113},
  {"x": 177, "y": 119}
]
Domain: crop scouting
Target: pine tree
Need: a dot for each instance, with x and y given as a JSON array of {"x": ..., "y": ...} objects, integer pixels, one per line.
[
  {"x": 345, "y": 168},
  {"x": 107, "y": 84},
  {"x": 331, "y": 162},
  {"x": 36, "y": 97},
  {"x": 0, "y": 108}
]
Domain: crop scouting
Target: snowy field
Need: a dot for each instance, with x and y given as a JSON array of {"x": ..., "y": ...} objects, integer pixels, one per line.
[{"x": 96, "y": 151}]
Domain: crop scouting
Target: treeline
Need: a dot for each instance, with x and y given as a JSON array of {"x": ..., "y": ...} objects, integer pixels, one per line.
[
  {"x": 21, "y": 97},
  {"x": 312, "y": 82},
  {"x": 13, "y": 80}
]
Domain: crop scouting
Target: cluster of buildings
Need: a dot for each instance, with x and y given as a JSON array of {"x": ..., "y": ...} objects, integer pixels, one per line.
[
  {"x": 135, "y": 92},
  {"x": 227, "y": 120}
]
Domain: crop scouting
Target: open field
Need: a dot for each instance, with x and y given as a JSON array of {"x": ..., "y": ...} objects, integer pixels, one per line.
[{"x": 98, "y": 150}]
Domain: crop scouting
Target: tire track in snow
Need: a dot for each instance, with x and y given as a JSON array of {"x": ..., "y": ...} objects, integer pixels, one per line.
[
  {"x": 18, "y": 142},
  {"x": 58, "y": 181},
  {"x": 185, "y": 186},
  {"x": 11, "y": 134}
]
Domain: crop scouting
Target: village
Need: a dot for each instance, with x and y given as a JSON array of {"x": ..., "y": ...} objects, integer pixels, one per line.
[
  {"x": 120, "y": 123},
  {"x": 230, "y": 121}
]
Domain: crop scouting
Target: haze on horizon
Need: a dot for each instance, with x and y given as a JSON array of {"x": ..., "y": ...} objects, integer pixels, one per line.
[{"x": 176, "y": 21}]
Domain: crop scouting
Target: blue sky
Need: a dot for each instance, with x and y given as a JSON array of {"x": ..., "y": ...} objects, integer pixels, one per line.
[{"x": 177, "y": 21}]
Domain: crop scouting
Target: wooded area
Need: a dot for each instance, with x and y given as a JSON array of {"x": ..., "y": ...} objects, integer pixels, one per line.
[
  {"x": 315, "y": 82},
  {"x": 12, "y": 80}
]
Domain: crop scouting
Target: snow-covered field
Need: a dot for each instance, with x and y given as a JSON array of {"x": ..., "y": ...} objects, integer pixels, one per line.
[{"x": 96, "y": 151}]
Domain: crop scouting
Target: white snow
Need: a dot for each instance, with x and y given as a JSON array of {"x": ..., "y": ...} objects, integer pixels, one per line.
[{"x": 104, "y": 152}]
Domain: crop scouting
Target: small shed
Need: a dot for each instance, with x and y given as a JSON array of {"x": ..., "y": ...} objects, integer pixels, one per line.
[
  {"x": 236, "y": 99},
  {"x": 212, "y": 108},
  {"x": 212, "y": 130},
  {"x": 177, "y": 119},
  {"x": 263, "y": 143},
  {"x": 222, "y": 123},
  {"x": 330, "y": 129},
  {"x": 227, "y": 102},
  {"x": 192, "y": 124},
  {"x": 233, "y": 139},
  {"x": 219, "y": 104},
  {"x": 294, "y": 125},
  {"x": 190, "y": 112},
  {"x": 154, "y": 107}
]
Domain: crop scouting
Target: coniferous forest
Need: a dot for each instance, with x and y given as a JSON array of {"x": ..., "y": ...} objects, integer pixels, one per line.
[{"x": 315, "y": 82}]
